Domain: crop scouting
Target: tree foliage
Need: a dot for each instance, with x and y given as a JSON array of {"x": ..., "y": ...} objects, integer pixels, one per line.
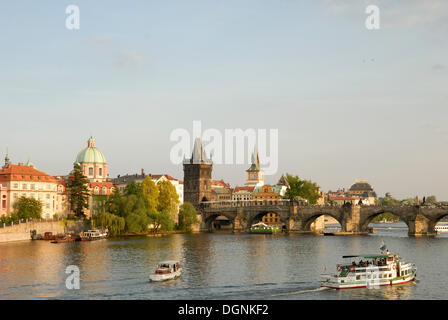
[
  {"x": 78, "y": 191},
  {"x": 187, "y": 217},
  {"x": 26, "y": 208},
  {"x": 151, "y": 193},
  {"x": 168, "y": 200},
  {"x": 301, "y": 188},
  {"x": 114, "y": 223},
  {"x": 145, "y": 205}
]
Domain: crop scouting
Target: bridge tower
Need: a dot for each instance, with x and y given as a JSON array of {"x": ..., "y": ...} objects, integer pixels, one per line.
[{"x": 197, "y": 176}]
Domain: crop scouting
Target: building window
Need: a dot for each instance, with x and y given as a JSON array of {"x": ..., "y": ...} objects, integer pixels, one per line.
[
  {"x": 16, "y": 186},
  {"x": 101, "y": 172},
  {"x": 90, "y": 171},
  {"x": 48, "y": 196},
  {"x": 47, "y": 206},
  {"x": 24, "y": 186},
  {"x": 33, "y": 186}
]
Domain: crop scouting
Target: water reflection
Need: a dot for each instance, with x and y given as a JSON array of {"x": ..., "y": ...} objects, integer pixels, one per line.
[{"x": 216, "y": 266}]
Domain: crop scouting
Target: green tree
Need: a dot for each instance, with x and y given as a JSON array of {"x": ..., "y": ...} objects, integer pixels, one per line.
[
  {"x": 114, "y": 223},
  {"x": 78, "y": 191},
  {"x": 161, "y": 221},
  {"x": 150, "y": 193},
  {"x": 301, "y": 188},
  {"x": 431, "y": 200},
  {"x": 168, "y": 200},
  {"x": 187, "y": 217},
  {"x": 26, "y": 208},
  {"x": 388, "y": 200}
]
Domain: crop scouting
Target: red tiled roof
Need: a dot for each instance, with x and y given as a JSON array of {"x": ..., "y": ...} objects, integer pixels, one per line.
[
  {"x": 21, "y": 172},
  {"x": 248, "y": 188},
  {"x": 220, "y": 183}
]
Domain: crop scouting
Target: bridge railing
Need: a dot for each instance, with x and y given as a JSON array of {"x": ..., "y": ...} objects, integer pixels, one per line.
[{"x": 244, "y": 203}]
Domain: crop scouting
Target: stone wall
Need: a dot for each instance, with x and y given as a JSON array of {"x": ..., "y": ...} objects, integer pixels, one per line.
[{"x": 23, "y": 230}]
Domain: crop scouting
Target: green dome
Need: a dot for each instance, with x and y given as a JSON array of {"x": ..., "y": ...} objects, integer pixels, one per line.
[{"x": 91, "y": 154}]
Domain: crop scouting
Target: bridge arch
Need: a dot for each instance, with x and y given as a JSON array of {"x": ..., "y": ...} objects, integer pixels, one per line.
[
  {"x": 364, "y": 223},
  {"x": 309, "y": 220},
  {"x": 211, "y": 218},
  {"x": 259, "y": 216}
]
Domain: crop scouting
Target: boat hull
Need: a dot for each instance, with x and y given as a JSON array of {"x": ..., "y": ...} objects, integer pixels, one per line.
[{"x": 363, "y": 284}]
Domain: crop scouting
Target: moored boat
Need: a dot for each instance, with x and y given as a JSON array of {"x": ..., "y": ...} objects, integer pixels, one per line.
[
  {"x": 166, "y": 270},
  {"x": 370, "y": 270},
  {"x": 95, "y": 234},
  {"x": 265, "y": 229}
]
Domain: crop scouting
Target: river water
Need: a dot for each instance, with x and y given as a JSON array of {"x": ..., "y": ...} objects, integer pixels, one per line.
[{"x": 216, "y": 266}]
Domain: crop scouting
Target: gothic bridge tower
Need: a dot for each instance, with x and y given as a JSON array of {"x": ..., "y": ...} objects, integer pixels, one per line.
[{"x": 197, "y": 176}]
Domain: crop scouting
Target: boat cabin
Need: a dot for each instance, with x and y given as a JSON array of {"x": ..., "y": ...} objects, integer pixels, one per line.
[{"x": 168, "y": 267}]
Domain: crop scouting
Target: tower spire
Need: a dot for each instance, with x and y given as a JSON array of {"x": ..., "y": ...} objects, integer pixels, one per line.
[{"x": 7, "y": 161}]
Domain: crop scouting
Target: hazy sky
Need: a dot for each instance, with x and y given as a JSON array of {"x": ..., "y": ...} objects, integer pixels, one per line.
[{"x": 349, "y": 103}]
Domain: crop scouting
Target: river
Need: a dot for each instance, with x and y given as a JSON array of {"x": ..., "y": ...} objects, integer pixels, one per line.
[{"x": 216, "y": 266}]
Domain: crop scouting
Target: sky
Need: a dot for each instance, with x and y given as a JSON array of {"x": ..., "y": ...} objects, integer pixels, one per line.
[{"x": 349, "y": 103}]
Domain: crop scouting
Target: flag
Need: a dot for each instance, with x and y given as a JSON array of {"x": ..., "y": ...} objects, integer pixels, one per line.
[{"x": 383, "y": 246}]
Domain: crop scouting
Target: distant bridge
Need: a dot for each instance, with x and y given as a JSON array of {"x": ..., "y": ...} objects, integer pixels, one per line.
[{"x": 354, "y": 219}]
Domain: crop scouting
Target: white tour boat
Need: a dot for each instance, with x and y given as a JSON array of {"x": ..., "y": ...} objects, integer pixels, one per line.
[
  {"x": 441, "y": 228},
  {"x": 166, "y": 270},
  {"x": 370, "y": 270}
]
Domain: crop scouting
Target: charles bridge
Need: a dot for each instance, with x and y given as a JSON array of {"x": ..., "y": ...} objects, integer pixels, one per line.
[{"x": 354, "y": 219}]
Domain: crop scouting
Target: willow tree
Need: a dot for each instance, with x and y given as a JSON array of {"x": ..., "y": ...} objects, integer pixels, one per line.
[{"x": 112, "y": 222}]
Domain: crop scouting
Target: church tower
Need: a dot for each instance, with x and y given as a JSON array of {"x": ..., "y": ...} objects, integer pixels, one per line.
[
  {"x": 255, "y": 176},
  {"x": 197, "y": 176}
]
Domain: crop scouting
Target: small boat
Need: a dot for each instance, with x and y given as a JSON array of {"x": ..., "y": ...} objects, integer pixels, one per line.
[
  {"x": 370, "y": 270},
  {"x": 166, "y": 270},
  {"x": 95, "y": 234},
  {"x": 263, "y": 228},
  {"x": 68, "y": 237}
]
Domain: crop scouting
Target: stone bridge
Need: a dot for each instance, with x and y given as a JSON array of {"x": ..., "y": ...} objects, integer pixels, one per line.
[{"x": 354, "y": 219}]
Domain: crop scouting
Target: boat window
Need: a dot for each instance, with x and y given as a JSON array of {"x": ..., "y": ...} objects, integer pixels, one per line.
[{"x": 358, "y": 277}]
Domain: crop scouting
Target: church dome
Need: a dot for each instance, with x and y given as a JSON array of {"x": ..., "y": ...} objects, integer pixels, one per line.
[{"x": 91, "y": 154}]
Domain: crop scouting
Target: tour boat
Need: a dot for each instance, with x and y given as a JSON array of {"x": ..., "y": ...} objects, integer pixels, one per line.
[
  {"x": 166, "y": 270},
  {"x": 264, "y": 228},
  {"x": 96, "y": 234},
  {"x": 370, "y": 270},
  {"x": 442, "y": 228}
]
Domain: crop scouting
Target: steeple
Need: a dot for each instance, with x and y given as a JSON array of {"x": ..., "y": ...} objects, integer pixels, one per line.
[
  {"x": 255, "y": 161},
  {"x": 7, "y": 162},
  {"x": 198, "y": 155},
  {"x": 29, "y": 163}
]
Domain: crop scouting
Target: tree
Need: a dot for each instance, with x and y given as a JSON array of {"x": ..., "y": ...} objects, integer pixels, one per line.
[
  {"x": 26, "y": 208},
  {"x": 161, "y": 221},
  {"x": 388, "y": 200},
  {"x": 187, "y": 217},
  {"x": 114, "y": 223},
  {"x": 301, "y": 188},
  {"x": 431, "y": 200},
  {"x": 168, "y": 198},
  {"x": 151, "y": 193},
  {"x": 78, "y": 191}
]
